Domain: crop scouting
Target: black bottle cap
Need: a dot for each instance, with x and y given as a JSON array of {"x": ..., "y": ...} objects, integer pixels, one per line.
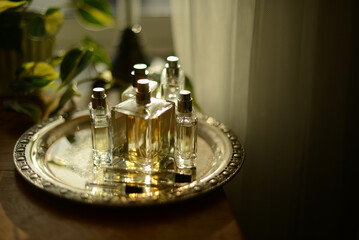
[
  {"x": 139, "y": 72},
  {"x": 184, "y": 103},
  {"x": 98, "y": 97},
  {"x": 172, "y": 62},
  {"x": 143, "y": 93}
]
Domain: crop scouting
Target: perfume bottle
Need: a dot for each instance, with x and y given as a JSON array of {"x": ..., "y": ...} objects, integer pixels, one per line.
[
  {"x": 141, "y": 129},
  {"x": 172, "y": 79},
  {"x": 139, "y": 72},
  {"x": 186, "y": 132},
  {"x": 100, "y": 128}
]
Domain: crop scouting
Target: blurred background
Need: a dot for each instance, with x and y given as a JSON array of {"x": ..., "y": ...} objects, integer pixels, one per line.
[
  {"x": 154, "y": 16},
  {"x": 283, "y": 76}
]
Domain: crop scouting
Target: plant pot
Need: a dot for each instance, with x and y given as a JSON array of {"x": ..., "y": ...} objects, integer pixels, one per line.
[{"x": 16, "y": 47}]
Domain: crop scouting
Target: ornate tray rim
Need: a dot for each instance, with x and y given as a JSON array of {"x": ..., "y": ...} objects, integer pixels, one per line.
[{"x": 192, "y": 190}]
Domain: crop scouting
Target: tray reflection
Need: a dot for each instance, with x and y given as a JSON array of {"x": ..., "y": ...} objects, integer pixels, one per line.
[{"x": 57, "y": 158}]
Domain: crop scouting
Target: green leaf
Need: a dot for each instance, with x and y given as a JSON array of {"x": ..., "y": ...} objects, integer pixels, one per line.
[
  {"x": 99, "y": 54},
  {"x": 55, "y": 61},
  {"x": 30, "y": 109},
  {"x": 44, "y": 25},
  {"x": 66, "y": 96},
  {"x": 37, "y": 69},
  {"x": 188, "y": 85},
  {"x": 5, "y": 5},
  {"x": 52, "y": 10},
  {"x": 53, "y": 21},
  {"x": 95, "y": 13},
  {"x": 32, "y": 76},
  {"x": 36, "y": 26},
  {"x": 74, "y": 62}
]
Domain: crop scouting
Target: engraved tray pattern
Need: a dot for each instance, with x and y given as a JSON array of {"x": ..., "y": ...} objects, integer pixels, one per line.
[{"x": 220, "y": 157}]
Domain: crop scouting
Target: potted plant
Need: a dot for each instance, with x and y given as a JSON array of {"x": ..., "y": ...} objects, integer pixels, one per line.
[{"x": 42, "y": 84}]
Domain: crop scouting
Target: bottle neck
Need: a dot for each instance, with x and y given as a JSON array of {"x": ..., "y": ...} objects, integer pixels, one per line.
[
  {"x": 172, "y": 75},
  {"x": 143, "y": 98}
]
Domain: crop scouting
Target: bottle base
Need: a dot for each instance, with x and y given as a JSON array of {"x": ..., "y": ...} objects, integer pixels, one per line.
[
  {"x": 182, "y": 163},
  {"x": 101, "y": 158}
]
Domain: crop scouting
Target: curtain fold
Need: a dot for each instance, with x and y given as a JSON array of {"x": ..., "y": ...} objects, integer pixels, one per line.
[
  {"x": 280, "y": 74},
  {"x": 207, "y": 34}
]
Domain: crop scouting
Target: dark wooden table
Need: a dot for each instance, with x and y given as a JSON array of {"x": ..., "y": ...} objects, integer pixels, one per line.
[{"x": 29, "y": 213}]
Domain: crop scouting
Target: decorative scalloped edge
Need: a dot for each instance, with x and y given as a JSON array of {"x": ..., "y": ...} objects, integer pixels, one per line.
[{"x": 178, "y": 194}]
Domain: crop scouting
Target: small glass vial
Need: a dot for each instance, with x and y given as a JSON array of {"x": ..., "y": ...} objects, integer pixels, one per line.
[
  {"x": 139, "y": 72},
  {"x": 141, "y": 129},
  {"x": 100, "y": 128},
  {"x": 172, "y": 79},
  {"x": 186, "y": 132}
]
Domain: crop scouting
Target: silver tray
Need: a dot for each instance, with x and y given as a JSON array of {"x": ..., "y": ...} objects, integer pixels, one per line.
[{"x": 55, "y": 156}]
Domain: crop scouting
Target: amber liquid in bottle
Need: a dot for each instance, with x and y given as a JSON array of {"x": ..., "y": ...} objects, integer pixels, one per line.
[
  {"x": 142, "y": 131},
  {"x": 143, "y": 138}
]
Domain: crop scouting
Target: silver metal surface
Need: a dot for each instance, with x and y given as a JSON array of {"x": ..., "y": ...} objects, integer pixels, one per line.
[{"x": 55, "y": 156}]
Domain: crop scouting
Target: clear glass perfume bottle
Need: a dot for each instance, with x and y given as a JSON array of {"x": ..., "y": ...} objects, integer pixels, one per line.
[
  {"x": 186, "y": 132},
  {"x": 141, "y": 129},
  {"x": 100, "y": 128},
  {"x": 172, "y": 79},
  {"x": 139, "y": 72}
]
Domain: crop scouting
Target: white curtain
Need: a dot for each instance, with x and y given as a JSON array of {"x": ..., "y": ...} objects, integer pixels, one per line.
[
  {"x": 281, "y": 75},
  {"x": 213, "y": 41}
]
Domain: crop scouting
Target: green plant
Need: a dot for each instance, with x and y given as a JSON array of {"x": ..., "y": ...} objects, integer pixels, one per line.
[
  {"x": 44, "y": 87},
  {"x": 39, "y": 80}
]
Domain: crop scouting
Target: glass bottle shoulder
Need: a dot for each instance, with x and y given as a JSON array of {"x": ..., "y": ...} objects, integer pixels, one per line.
[
  {"x": 152, "y": 110},
  {"x": 99, "y": 111},
  {"x": 173, "y": 80},
  {"x": 186, "y": 119},
  {"x": 130, "y": 92}
]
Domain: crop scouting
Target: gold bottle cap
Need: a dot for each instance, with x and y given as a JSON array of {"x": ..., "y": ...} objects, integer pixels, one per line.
[
  {"x": 184, "y": 104},
  {"x": 98, "y": 97},
  {"x": 143, "y": 93}
]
